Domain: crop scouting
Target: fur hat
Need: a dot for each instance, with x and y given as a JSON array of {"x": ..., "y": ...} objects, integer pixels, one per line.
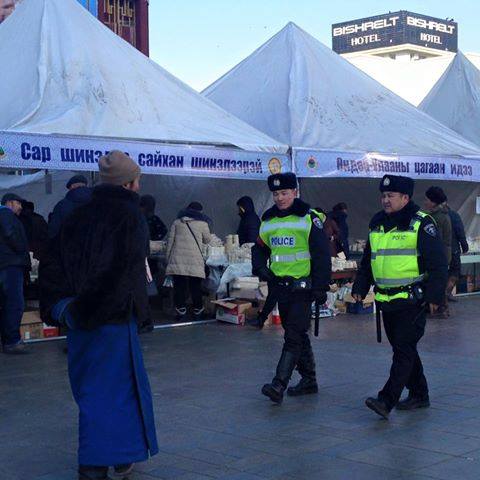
[
  {"x": 436, "y": 195},
  {"x": 397, "y": 183},
  {"x": 282, "y": 181}
]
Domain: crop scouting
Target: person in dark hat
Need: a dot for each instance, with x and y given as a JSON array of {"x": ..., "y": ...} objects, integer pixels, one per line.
[
  {"x": 14, "y": 260},
  {"x": 292, "y": 255},
  {"x": 98, "y": 291},
  {"x": 435, "y": 204},
  {"x": 405, "y": 259},
  {"x": 249, "y": 221},
  {"x": 78, "y": 194}
]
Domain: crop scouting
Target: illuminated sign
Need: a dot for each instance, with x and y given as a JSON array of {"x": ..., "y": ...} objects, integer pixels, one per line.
[{"x": 395, "y": 29}]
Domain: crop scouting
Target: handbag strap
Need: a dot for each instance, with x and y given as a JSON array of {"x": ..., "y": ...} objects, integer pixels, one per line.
[{"x": 196, "y": 241}]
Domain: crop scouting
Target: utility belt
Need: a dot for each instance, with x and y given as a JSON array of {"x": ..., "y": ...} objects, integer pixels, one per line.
[
  {"x": 303, "y": 284},
  {"x": 415, "y": 291}
]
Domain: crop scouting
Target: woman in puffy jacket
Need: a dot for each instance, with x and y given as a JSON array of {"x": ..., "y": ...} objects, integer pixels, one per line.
[{"x": 186, "y": 249}]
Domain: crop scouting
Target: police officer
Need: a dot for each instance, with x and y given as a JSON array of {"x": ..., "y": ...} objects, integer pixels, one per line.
[
  {"x": 292, "y": 255},
  {"x": 405, "y": 260}
]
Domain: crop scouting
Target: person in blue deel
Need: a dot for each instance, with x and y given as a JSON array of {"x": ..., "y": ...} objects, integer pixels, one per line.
[{"x": 99, "y": 292}]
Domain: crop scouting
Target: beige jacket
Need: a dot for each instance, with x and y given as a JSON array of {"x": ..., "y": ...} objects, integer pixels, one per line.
[{"x": 183, "y": 254}]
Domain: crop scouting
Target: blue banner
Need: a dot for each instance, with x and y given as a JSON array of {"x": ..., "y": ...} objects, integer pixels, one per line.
[
  {"x": 69, "y": 152},
  {"x": 330, "y": 164}
]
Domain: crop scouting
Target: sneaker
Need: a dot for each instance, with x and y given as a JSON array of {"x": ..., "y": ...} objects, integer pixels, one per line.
[
  {"x": 123, "y": 470},
  {"x": 378, "y": 406},
  {"x": 17, "y": 349},
  {"x": 411, "y": 403},
  {"x": 86, "y": 472},
  {"x": 198, "y": 314}
]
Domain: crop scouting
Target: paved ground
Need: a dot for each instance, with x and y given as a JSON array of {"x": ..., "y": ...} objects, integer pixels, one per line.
[{"x": 213, "y": 423}]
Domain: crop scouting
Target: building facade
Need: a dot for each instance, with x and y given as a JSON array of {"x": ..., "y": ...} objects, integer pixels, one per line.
[{"x": 127, "y": 18}]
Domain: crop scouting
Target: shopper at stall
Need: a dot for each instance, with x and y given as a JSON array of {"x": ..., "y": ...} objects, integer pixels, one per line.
[
  {"x": 292, "y": 255},
  {"x": 78, "y": 194},
  {"x": 156, "y": 227},
  {"x": 249, "y": 225},
  {"x": 14, "y": 260},
  {"x": 435, "y": 205},
  {"x": 459, "y": 246},
  {"x": 101, "y": 292},
  {"x": 186, "y": 250},
  {"x": 332, "y": 232},
  {"x": 339, "y": 214},
  {"x": 36, "y": 229},
  {"x": 405, "y": 259}
]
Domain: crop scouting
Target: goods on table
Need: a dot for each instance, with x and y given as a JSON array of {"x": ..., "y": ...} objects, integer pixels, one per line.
[
  {"x": 473, "y": 244},
  {"x": 358, "y": 246},
  {"x": 338, "y": 264}
]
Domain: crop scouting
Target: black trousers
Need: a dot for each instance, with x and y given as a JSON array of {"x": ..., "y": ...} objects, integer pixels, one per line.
[
  {"x": 296, "y": 312},
  {"x": 404, "y": 328},
  {"x": 182, "y": 285}
]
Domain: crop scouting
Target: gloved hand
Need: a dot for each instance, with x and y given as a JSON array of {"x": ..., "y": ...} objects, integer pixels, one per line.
[
  {"x": 266, "y": 275},
  {"x": 319, "y": 296}
]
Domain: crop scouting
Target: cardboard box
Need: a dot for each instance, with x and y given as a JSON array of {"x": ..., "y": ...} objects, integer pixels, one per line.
[
  {"x": 232, "y": 310},
  {"x": 49, "y": 332},
  {"x": 244, "y": 293},
  {"x": 31, "y": 327}
]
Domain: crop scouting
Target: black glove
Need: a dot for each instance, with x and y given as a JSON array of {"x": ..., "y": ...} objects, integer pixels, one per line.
[
  {"x": 319, "y": 296},
  {"x": 266, "y": 275}
]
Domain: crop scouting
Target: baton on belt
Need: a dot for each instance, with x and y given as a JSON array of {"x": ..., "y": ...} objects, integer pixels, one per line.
[
  {"x": 378, "y": 317},
  {"x": 317, "y": 318}
]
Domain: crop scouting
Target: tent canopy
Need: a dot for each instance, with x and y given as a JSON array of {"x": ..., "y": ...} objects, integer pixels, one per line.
[
  {"x": 455, "y": 98},
  {"x": 65, "y": 72},
  {"x": 298, "y": 91}
]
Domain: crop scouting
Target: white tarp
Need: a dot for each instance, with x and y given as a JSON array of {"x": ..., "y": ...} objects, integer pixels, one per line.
[
  {"x": 411, "y": 80},
  {"x": 455, "y": 98},
  {"x": 298, "y": 91},
  {"x": 63, "y": 71}
]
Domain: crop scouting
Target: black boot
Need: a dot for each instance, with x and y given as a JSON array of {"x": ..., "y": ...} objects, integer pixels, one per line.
[
  {"x": 285, "y": 367},
  {"x": 378, "y": 406},
  {"x": 306, "y": 368},
  {"x": 411, "y": 403}
]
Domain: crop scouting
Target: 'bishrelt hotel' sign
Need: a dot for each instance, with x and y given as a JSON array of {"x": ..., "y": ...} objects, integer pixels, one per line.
[{"x": 394, "y": 29}]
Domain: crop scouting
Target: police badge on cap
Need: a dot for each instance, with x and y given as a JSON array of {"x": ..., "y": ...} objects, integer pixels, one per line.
[{"x": 282, "y": 181}]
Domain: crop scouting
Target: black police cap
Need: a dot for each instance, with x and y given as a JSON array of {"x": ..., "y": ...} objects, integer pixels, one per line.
[
  {"x": 282, "y": 181},
  {"x": 396, "y": 183}
]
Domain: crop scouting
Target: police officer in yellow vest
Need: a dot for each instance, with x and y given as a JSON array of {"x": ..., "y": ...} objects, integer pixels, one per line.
[
  {"x": 292, "y": 255},
  {"x": 405, "y": 260}
]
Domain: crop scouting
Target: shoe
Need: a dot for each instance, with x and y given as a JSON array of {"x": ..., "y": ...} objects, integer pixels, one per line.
[
  {"x": 306, "y": 368},
  {"x": 198, "y": 314},
  {"x": 274, "y": 391},
  {"x": 411, "y": 403},
  {"x": 180, "y": 314},
  {"x": 285, "y": 367},
  {"x": 378, "y": 406},
  {"x": 123, "y": 470},
  {"x": 17, "y": 349},
  {"x": 87, "y": 472},
  {"x": 305, "y": 386}
]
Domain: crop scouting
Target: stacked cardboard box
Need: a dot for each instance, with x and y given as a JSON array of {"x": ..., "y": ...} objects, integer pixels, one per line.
[{"x": 31, "y": 327}]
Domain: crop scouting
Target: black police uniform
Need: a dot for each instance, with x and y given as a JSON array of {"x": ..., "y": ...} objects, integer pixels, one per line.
[
  {"x": 294, "y": 306},
  {"x": 404, "y": 319}
]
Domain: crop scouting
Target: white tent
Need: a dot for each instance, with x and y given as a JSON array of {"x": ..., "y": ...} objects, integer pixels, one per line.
[
  {"x": 297, "y": 90},
  {"x": 65, "y": 74},
  {"x": 455, "y": 98},
  {"x": 70, "y": 74},
  {"x": 411, "y": 80}
]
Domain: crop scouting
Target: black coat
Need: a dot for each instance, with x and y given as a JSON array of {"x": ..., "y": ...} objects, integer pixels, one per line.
[
  {"x": 100, "y": 261},
  {"x": 13, "y": 241},
  {"x": 249, "y": 222},
  {"x": 432, "y": 259},
  {"x": 73, "y": 199},
  {"x": 459, "y": 241},
  {"x": 340, "y": 219}
]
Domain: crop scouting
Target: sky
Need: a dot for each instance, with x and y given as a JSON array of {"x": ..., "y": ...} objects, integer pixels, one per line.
[{"x": 200, "y": 40}]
